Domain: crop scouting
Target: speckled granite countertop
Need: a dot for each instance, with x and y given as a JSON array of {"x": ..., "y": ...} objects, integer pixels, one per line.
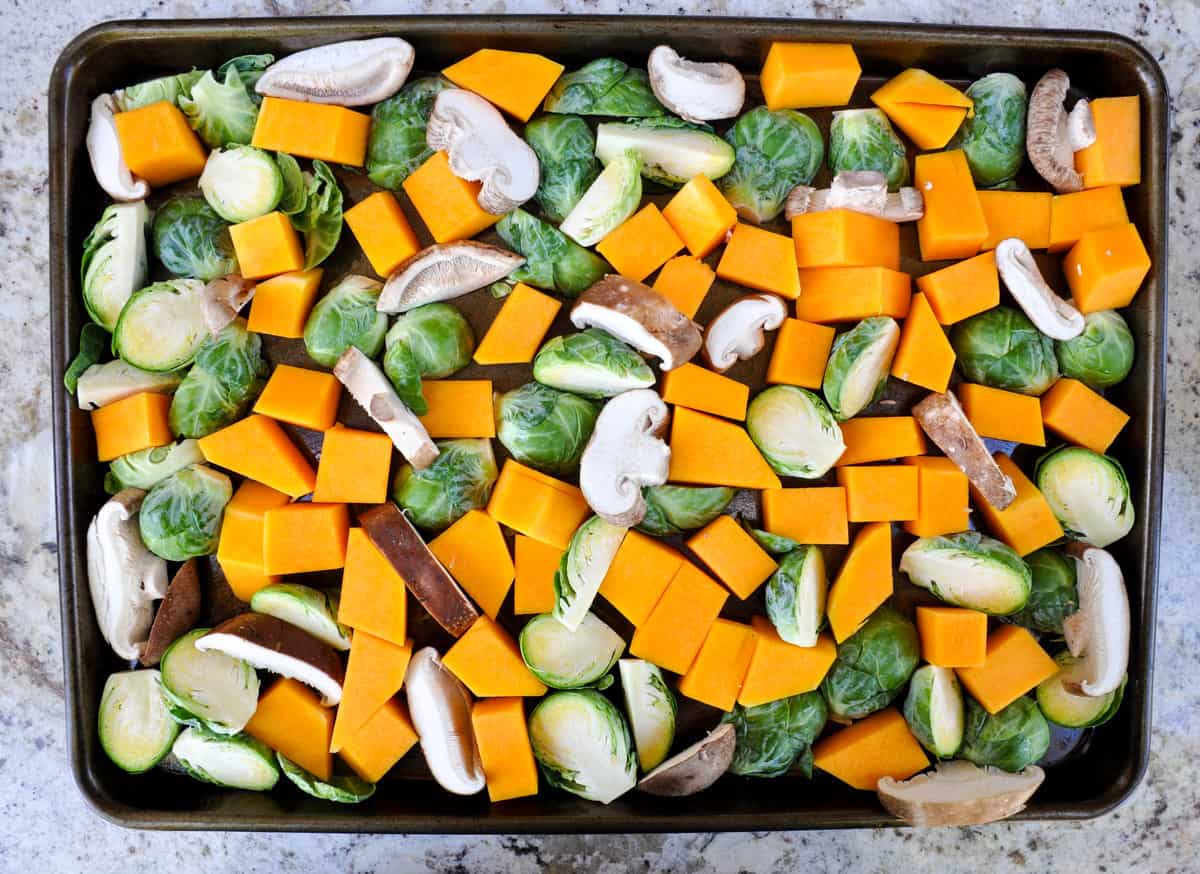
[{"x": 43, "y": 820}]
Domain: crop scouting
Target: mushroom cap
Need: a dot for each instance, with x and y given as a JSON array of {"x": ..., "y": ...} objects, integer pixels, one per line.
[
  {"x": 941, "y": 416},
  {"x": 1053, "y": 316},
  {"x": 1098, "y": 632},
  {"x": 1049, "y": 140},
  {"x": 624, "y": 454},
  {"x": 739, "y": 330},
  {"x": 104, "y": 152},
  {"x": 177, "y": 614},
  {"x": 959, "y": 793},
  {"x": 696, "y": 768},
  {"x": 445, "y": 271},
  {"x": 368, "y": 385},
  {"x": 693, "y": 90},
  {"x": 351, "y": 73},
  {"x": 640, "y": 316},
  {"x": 440, "y": 706}
]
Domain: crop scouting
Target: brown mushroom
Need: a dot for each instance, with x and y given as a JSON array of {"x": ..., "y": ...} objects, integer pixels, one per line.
[
  {"x": 1053, "y": 136},
  {"x": 942, "y": 418},
  {"x": 696, "y": 768},
  {"x": 959, "y": 793},
  {"x": 445, "y": 271},
  {"x": 640, "y": 316},
  {"x": 368, "y": 385},
  {"x": 178, "y": 613}
]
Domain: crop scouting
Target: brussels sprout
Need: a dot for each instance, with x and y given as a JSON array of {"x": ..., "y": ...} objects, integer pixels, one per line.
[
  {"x": 168, "y": 88},
  {"x": 250, "y": 69},
  {"x": 396, "y": 145},
  {"x": 1052, "y": 595},
  {"x": 1015, "y": 737},
  {"x": 776, "y": 544},
  {"x": 553, "y": 260},
  {"x": 1060, "y": 700},
  {"x": 969, "y": 570},
  {"x": 146, "y": 468},
  {"x": 309, "y": 609},
  {"x": 460, "y": 479},
  {"x": 241, "y": 183},
  {"x": 993, "y": 139},
  {"x": 190, "y": 239},
  {"x": 566, "y": 151},
  {"x": 796, "y": 596},
  {"x": 228, "y": 374},
  {"x": 295, "y": 190},
  {"x": 672, "y": 150},
  {"x": 863, "y": 139},
  {"x": 427, "y": 342},
  {"x": 321, "y": 218},
  {"x": 605, "y": 86},
  {"x": 650, "y": 705},
  {"x": 676, "y": 509},
  {"x": 1088, "y": 493},
  {"x": 93, "y": 346},
  {"x": 114, "y": 261},
  {"x": 544, "y": 427},
  {"x": 582, "y": 744},
  {"x": 222, "y": 108},
  {"x": 564, "y": 659},
  {"x": 1102, "y": 355},
  {"x": 345, "y": 317},
  {"x": 582, "y": 569},
  {"x": 181, "y": 515},
  {"x": 344, "y": 789},
  {"x": 775, "y": 152},
  {"x": 162, "y": 325},
  {"x": 934, "y": 710},
  {"x": 872, "y": 665},
  {"x": 795, "y": 431},
  {"x": 1002, "y": 348},
  {"x": 857, "y": 372},
  {"x": 773, "y": 737},
  {"x": 592, "y": 363},
  {"x": 613, "y": 197}
]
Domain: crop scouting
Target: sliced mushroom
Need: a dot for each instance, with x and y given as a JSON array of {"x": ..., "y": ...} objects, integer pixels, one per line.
[
  {"x": 178, "y": 613},
  {"x": 959, "y": 793},
  {"x": 483, "y": 148},
  {"x": 625, "y": 453},
  {"x": 1052, "y": 136},
  {"x": 862, "y": 191},
  {"x": 641, "y": 317},
  {"x": 1098, "y": 633},
  {"x": 696, "y": 768},
  {"x": 224, "y": 297},
  {"x": 125, "y": 578},
  {"x": 440, "y": 706},
  {"x": 104, "y": 151},
  {"x": 693, "y": 90},
  {"x": 369, "y": 386},
  {"x": 354, "y": 73},
  {"x": 273, "y": 645},
  {"x": 445, "y": 271},
  {"x": 1050, "y": 314},
  {"x": 739, "y": 330},
  {"x": 942, "y": 418}
]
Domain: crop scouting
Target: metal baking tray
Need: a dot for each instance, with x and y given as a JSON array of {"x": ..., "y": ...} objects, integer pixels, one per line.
[{"x": 1096, "y": 771}]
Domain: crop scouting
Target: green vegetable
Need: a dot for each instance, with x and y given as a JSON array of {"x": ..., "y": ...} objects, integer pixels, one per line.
[
  {"x": 796, "y": 596},
  {"x": 229, "y": 372},
  {"x": 582, "y": 744},
  {"x": 934, "y": 710},
  {"x": 672, "y": 150},
  {"x": 795, "y": 431},
  {"x": 191, "y": 240},
  {"x": 1011, "y": 739},
  {"x": 168, "y": 88},
  {"x": 564, "y": 659},
  {"x": 320, "y": 221},
  {"x": 114, "y": 261},
  {"x": 238, "y": 762},
  {"x": 250, "y": 69},
  {"x": 460, "y": 479},
  {"x": 553, "y": 260},
  {"x": 136, "y": 731},
  {"x": 863, "y": 139},
  {"x": 1088, "y": 493},
  {"x": 772, "y": 737},
  {"x": 775, "y": 152},
  {"x": 241, "y": 183},
  {"x": 1052, "y": 595},
  {"x": 344, "y": 789},
  {"x": 872, "y": 666},
  {"x": 592, "y": 363},
  {"x": 544, "y": 427},
  {"x": 1002, "y": 348},
  {"x": 776, "y": 544},
  {"x": 223, "y": 109},
  {"x": 1102, "y": 355},
  {"x": 1068, "y": 708},
  {"x": 676, "y": 509},
  {"x": 148, "y": 467},
  {"x": 345, "y": 317},
  {"x": 207, "y": 689},
  {"x": 969, "y": 570},
  {"x": 582, "y": 569},
  {"x": 993, "y": 139},
  {"x": 295, "y": 190},
  {"x": 857, "y": 372},
  {"x": 181, "y": 515},
  {"x": 93, "y": 340},
  {"x": 309, "y": 609},
  {"x": 613, "y": 197},
  {"x": 162, "y": 325},
  {"x": 566, "y": 150},
  {"x": 396, "y": 145},
  {"x": 605, "y": 86},
  {"x": 428, "y": 342},
  {"x": 650, "y": 705},
  {"x": 100, "y": 384}
]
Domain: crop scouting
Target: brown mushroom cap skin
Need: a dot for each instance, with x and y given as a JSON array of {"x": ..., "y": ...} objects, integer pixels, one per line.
[
  {"x": 942, "y": 418},
  {"x": 445, "y": 271},
  {"x": 219, "y": 602},
  {"x": 651, "y": 310},
  {"x": 694, "y": 769},
  {"x": 273, "y": 634},
  {"x": 178, "y": 613},
  {"x": 1043, "y": 129},
  {"x": 980, "y": 810}
]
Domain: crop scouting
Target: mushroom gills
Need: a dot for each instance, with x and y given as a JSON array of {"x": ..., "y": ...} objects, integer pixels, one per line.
[
  {"x": 695, "y": 90},
  {"x": 696, "y": 768},
  {"x": 369, "y": 386},
  {"x": 352, "y": 73},
  {"x": 445, "y": 271},
  {"x": 104, "y": 153},
  {"x": 959, "y": 793},
  {"x": 1098, "y": 633},
  {"x": 625, "y": 453},
  {"x": 440, "y": 707},
  {"x": 739, "y": 331},
  {"x": 1053, "y": 316}
]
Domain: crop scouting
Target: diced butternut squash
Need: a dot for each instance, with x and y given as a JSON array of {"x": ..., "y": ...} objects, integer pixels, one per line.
[
  {"x": 850, "y": 294},
  {"x": 700, "y": 215},
  {"x": 534, "y": 567},
  {"x": 1021, "y": 214},
  {"x": 800, "y": 354},
  {"x": 1093, "y": 209},
  {"x": 675, "y": 630},
  {"x": 240, "y": 547},
  {"x": 379, "y": 225},
  {"x": 1002, "y": 415},
  {"x": 881, "y": 438},
  {"x": 1115, "y": 158},
  {"x": 733, "y": 555},
  {"x": 531, "y": 503},
  {"x": 374, "y": 598},
  {"x": 448, "y": 205},
  {"x": 459, "y": 408},
  {"x": 924, "y": 356},
  {"x": 267, "y": 246},
  {"x": 1027, "y": 523},
  {"x": 952, "y": 637},
  {"x": 684, "y": 281},
  {"x": 502, "y": 736},
  {"x": 715, "y": 677},
  {"x": 641, "y": 244},
  {"x": 281, "y": 304},
  {"x": 845, "y": 238},
  {"x": 761, "y": 260},
  {"x": 640, "y": 572},
  {"x": 879, "y": 492},
  {"x": 488, "y": 661},
  {"x": 1105, "y": 268},
  {"x": 515, "y": 81},
  {"x": 711, "y": 451},
  {"x": 291, "y": 720},
  {"x": 953, "y": 225},
  {"x": 474, "y": 551},
  {"x": 308, "y": 398},
  {"x": 256, "y": 447},
  {"x": 517, "y": 331},
  {"x": 963, "y": 289},
  {"x": 698, "y": 388},
  {"x": 298, "y": 538},
  {"x": 863, "y": 582},
  {"x": 873, "y": 748},
  {"x": 380, "y": 742},
  {"x": 779, "y": 670},
  {"x": 131, "y": 424},
  {"x": 374, "y": 673},
  {"x": 312, "y": 130},
  {"x": 158, "y": 145},
  {"x": 354, "y": 467},
  {"x": 800, "y": 75},
  {"x": 943, "y": 498},
  {"x": 1015, "y": 663},
  {"x": 816, "y": 514},
  {"x": 1079, "y": 415},
  {"x": 927, "y": 109}
]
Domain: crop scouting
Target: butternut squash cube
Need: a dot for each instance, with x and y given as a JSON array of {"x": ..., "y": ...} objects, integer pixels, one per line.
[
  {"x": 131, "y": 424},
  {"x": 962, "y": 290},
  {"x": 816, "y": 514},
  {"x": 800, "y": 354},
  {"x": 489, "y": 663},
  {"x": 879, "y": 492},
  {"x": 381, "y": 742},
  {"x": 779, "y": 670},
  {"x": 952, "y": 637},
  {"x": 927, "y": 109},
  {"x": 1015, "y": 663},
  {"x": 240, "y": 547},
  {"x": 800, "y": 75},
  {"x": 1021, "y": 214},
  {"x": 281, "y": 304},
  {"x": 700, "y": 215},
  {"x": 517, "y": 331},
  {"x": 158, "y": 145},
  {"x": 675, "y": 630},
  {"x": 924, "y": 356},
  {"x": 943, "y": 502},
  {"x": 1079, "y": 415},
  {"x": 312, "y": 130},
  {"x": 256, "y": 447},
  {"x": 380, "y": 227},
  {"x": 711, "y": 451},
  {"x": 1002, "y": 415},
  {"x": 733, "y": 555},
  {"x": 291, "y": 720},
  {"x": 267, "y": 246},
  {"x": 474, "y": 552},
  {"x": 641, "y": 244},
  {"x": 953, "y": 225},
  {"x": 881, "y": 438},
  {"x": 850, "y": 294},
  {"x": 534, "y": 567},
  {"x": 514, "y": 81},
  {"x": 502, "y": 736},
  {"x": 448, "y": 205},
  {"x": 698, "y": 388},
  {"x": 864, "y": 753},
  {"x": 374, "y": 673},
  {"x": 845, "y": 238},
  {"x": 1093, "y": 209},
  {"x": 863, "y": 582},
  {"x": 299, "y": 538},
  {"x": 1115, "y": 158},
  {"x": 374, "y": 598},
  {"x": 354, "y": 467},
  {"x": 640, "y": 572},
  {"x": 308, "y": 398},
  {"x": 1105, "y": 268},
  {"x": 715, "y": 677},
  {"x": 459, "y": 408},
  {"x": 531, "y": 503},
  {"x": 684, "y": 281},
  {"x": 761, "y": 260},
  {"x": 1027, "y": 523}
]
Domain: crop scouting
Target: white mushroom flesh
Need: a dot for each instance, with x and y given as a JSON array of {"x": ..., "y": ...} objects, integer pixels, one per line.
[
  {"x": 107, "y": 383},
  {"x": 354, "y": 73},
  {"x": 1099, "y": 632},
  {"x": 104, "y": 152},
  {"x": 941, "y": 416},
  {"x": 641, "y": 317},
  {"x": 1050, "y": 314},
  {"x": 224, "y": 297},
  {"x": 625, "y": 453},
  {"x": 369, "y": 386},
  {"x": 959, "y": 793},
  {"x": 862, "y": 191},
  {"x": 277, "y": 662},
  {"x": 1053, "y": 136},
  {"x": 440, "y": 707},
  {"x": 739, "y": 331},
  {"x": 693, "y": 90},
  {"x": 445, "y": 271}
]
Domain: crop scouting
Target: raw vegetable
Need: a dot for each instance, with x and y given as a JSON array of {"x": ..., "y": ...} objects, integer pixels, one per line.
[
  {"x": 309, "y": 609},
  {"x": 114, "y": 261},
  {"x": 934, "y": 710},
  {"x": 241, "y": 183},
  {"x": 1002, "y": 348},
  {"x": 857, "y": 372},
  {"x": 191, "y": 240},
  {"x": 228, "y": 373},
  {"x": 223, "y": 108},
  {"x": 1087, "y": 492},
  {"x": 345, "y": 317},
  {"x": 1102, "y": 355},
  {"x": 564, "y": 659},
  {"x": 553, "y": 260},
  {"x": 344, "y": 789},
  {"x": 776, "y": 544},
  {"x": 625, "y": 452},
  {"x": 565, "y": 149},
  {"x": 168, "y": 88},
  {"x": 675, "y": 509},
  {"x": 795, "y": 431},
  {"x": 294, "y": 197},
  {"x": 544, "y": 427},
  {"x": 773, "y": 737},
  {"x": 135, "y": 728},
  {"x": 147, "y": 467},
  {"x": 969, "y": 570},
  {"x": 93, "y": 345},
  {"x": 611, "y": 198},
  {"x": 582, "y": 569},
  {"x": 775, "y": 152},
  {"x": 441, "y": 714},
  {"x": 1011, "y": 739},
  {"x": 429, "y": 342},
  {"x": 181, "y": 516},
  {"x": 695, "y": 90},
  {"x": 162, "y": 325},
  {"x": 458, "y": 480},
  {"x": 582, "y": 743},
  {"x": 739, "y": 332},
  {"x": 650, "y": 705},
  {"x": 321, "y": 218},
  {"x": 672, "y": 151},
  {"x": 873, "y": 665},
  {"x": 1098, "y": 633},
  {"x": 640, "y": 316},
  {"x": 396, "y": 145},
  {"x": 238, "y": 762},
  {"x": 592, "y": 363},
  {"x": 604, "y": 86},
  {"x": 863, "y": 139},
  {"x": 1052, "y": 595},
  {"x": 696, "y": 768},
  {"x": 959, "y": 793},
  {"x": 1061, "y": 701},
  {"x": 796, "y": 596},
  {"x": 208, "y": 689},
  {"x": 488, "y": 661},
  {"x": 993, "y": 139}
]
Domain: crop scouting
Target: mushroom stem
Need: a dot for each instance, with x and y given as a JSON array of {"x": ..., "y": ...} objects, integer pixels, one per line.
[
  {"x": 862, "y": 191},
  {"x": 440, "y": 707},
  {"x": 1052, "y": 137},
  {"x": 370, "y": 388}
]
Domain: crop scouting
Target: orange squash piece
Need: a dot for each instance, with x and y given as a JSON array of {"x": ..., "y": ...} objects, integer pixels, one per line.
[
  {"x": 863, "y": 582},
  {"x": 502, "y": 737},
  {"x": 459, "y": 408},
  {"x": 881, "y": 438},
  {"x": 517, "y": 331},
  {"x": 158, "y": 145},
  {"x": 641, "y": 244},
  {"x": 291, "y": 720},
  {"x": 540, "y": 506},
  {"x": 374, "y": 673},
  {"x": 448, "y": 205},
  {"x": 256, "y": 447},
  {"x": 924, "y": 356},
  {"x": 779, "y": 670},
  {"x": 675, "y": 630},
  {"x": 816, "y": 514},
  {"x": 1002, "y": 415},
  {"x": 1079, "y": 415},
  {"x": 374, "y": 598},
  {"x": 354, "y": 467},
  {"x": 733, "y": 555},
  {"x": 131, "y": 424},
  {"x": 240, "y": 547},
  {"x": 1021, "y": 214},
  {"x": 845, "y": 238},
  {"x": 281, "y": 304},
  {"x": 1015, "y": 663},
  {"x": 1115, "y": 158},
  {"x": 927, "y": 109},
  {"x": 700, "y": 215},
  {"x": 800, "y": 354},
  {"x": 514, "y": 81},
  {"x": 379, "y": 225},
  {"x": 298, "y": 538},
  {"x": 698, "y": 388},
  {"x": 943, "y": 498},
  {"x": 684, "y": 281},
  {"x": 711, "y": 451},
  {"x": 800, "y": 75},
  {"x": 1093, "y": 209},
  {"x": 715, "y": 677},
  {"x": 534, "y": 567},
  {"x": 474, "y": 552},
  {"x": 953, "y": 225},
  {"x": 489, "y": 663},
  {"x": 962, "y": 290},
  {"x": 1027, "y": 523},
  {"x": 267, "y": 246},
  {"x": 879, "y": 492},
  {"x": 640, "y": 572},
  {"x": 761, "y": 260},
  {"x": 312, "y": 130},
  {"x": 308, "y": 398},
  {"x": 952, "y": 637},
  {"x": 381, "y": 742},
  {"x": 850, "y": 294},
  {"x": 873, "y": 748},
  {"x": 1105, "y": 268}
]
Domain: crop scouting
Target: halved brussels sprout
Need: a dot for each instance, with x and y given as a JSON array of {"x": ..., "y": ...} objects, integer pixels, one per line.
[
  {"x": 241, "y": 183},
  {"x": 1088, "y": 493},
  {"x": 613, "y": 197},
  {"x": 857, "y": 371},
  {"x": 1015, "y": 737},
  {"x": 583, "y": 567},
  {"x": 191, "y": 240},
  {"x": 1052, "y": 595},
  {"x": 582, "y": 743},
  {"x": 207, "y": 689},
  {"x": 872, "y": 666},
  {"x": 773, "y": 737},
  {"x": 553, "y": 260},
  {"x": 544, "y": 427},
  {"x": 114, "y": 261},
  {"x": 1002, "y": 348},
  {"x": 774, "y": 152},
  {"x": 795, "y": 431},
  {"x": 1102, "y": 355},
  {"x": 237, "y": 762},
  {"x": 565, "y": 659},
  {"x": 345, "y": 317},
  {"x": 672, "y": 150},
  {"x": 993, "y": 138},
  {"x": 863, "y": 139},
  {"x": 676, "y": 509},
  {"x": 181, "y": 515},
  {"x": 604, "y": 86},
  {"x": 309, "y": 609},
  {"x": 428, "y": 342},
  {"x": 162, "y": 325},
  {"x": 592, "y": 363},
  {"x": 969, "y": 570},
  {"x": 147, "y": 467},
  {"x": 135, "y": 728},
  {"x": 934, "y": 710},
  {"x": 229, "y": 372},
  {"x": 651, "y": 707},
  {"x": 566, "y": 151},
  {"x": 1062, "y": 702},
  {"x": 460, "y": 479},
  {"x": 396, "y": 145},
  {"x": 796, "y": 596}
]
